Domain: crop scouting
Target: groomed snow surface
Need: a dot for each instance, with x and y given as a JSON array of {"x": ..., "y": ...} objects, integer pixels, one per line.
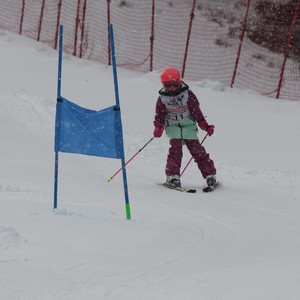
[{"x": 240, "y": 242}]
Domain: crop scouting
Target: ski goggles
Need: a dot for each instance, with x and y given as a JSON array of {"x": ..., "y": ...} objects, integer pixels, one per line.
[{"x": 171, "y": 84}]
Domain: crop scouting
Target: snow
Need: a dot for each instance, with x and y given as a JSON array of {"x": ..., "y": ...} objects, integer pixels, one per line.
[{"x": 240, "y": 242}]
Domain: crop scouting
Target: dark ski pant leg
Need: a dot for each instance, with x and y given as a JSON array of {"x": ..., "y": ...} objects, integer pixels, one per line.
[
  {"x": 205, "y": 164},
  {"x": 174, "y": 158}
]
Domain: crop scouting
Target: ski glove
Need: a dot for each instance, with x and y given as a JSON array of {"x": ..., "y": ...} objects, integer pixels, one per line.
[
  {"x": 210, "y": 130},
  {"x": 158, "y": 131}
]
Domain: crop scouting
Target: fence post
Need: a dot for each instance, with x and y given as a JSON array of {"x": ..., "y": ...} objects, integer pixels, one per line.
[
  {"x": 57, "y": 23},
  {"x": 77, "y": 20},
  {"x": 152, "y": 36},
  {"x": 82, "y": 28},
  {"x": 241, "y": 44},
  {"x": 41, "y": 21},
  {"x": 22, "y": 17},
  {"x": 287, "y": 48},
  {"x": 108, "y": 33},
  {"x": 192, "y": 15}
]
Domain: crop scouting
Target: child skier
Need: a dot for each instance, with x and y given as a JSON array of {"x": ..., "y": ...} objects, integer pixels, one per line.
[{"x": 178, "y": 112}]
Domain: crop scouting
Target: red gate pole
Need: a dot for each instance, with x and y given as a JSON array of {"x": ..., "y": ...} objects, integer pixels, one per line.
[
  {"x": 188, "y": 38},
  {"x": 22, "y": 17},
  {"x": 152, "y": 36},
  {"x": 77, "y": 20},
  {"x": 57, "y": 23},
  {"x": 108, "y": 34},
  {"x": 82, "y": 28},
  {"x": 287, "y": 48},
  {"x": 41, "y": 21},
  {"x": 241, "y": 44}
]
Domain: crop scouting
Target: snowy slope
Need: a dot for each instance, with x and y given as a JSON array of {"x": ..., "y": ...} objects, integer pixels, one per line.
[{"x": 239, "y": 243}]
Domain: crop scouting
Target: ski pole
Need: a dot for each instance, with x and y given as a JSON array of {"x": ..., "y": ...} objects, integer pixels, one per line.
[
  {"x": 112, "y": 177},
  {"x": 192, "y": 156}
]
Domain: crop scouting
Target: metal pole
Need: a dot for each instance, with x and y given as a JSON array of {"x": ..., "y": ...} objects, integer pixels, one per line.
[
  {"x": 82, "y": 29},
  {"x": 22, "y": 17},
  {"x": 41, "y": 21},
  {"x": 59, "y": 5},
  {"x": 77, "y": 21},
  {"x": 58, "y": 114},
  {"x": 118, "y": 111},
  {"x": 240, "y": 45},
  {"x": 188, "y": 38},
  {"x": 152, "y": 36},
  {"x": 108, "y": 42}
]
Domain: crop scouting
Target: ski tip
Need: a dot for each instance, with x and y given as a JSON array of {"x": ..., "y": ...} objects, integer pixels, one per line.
[{"x": 191, "y": 191}]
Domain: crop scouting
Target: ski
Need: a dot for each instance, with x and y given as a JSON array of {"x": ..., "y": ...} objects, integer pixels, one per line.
[
  {"x": 180, "y": 189},
  {"x": 208, "y": 189}
]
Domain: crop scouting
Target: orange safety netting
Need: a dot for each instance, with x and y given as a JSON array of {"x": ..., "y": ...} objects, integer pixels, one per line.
[{"x": 200, "y": 38}]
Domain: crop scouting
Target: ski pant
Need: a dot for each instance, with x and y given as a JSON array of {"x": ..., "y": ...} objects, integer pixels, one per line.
[{"x": 198, "y": 152}]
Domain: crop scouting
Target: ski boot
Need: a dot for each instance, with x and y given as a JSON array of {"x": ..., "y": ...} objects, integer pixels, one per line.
[{"x": 173, "y": 181}]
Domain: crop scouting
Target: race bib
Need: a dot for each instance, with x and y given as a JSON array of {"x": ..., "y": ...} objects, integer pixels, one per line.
[{"x": 176, "y": 106}]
